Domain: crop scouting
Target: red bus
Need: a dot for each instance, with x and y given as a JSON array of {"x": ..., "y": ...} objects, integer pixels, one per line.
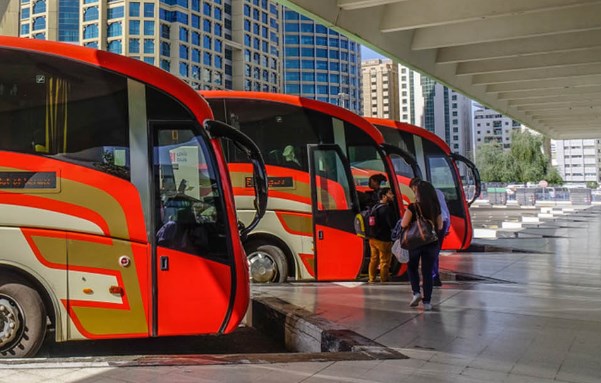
[
  {"x": 118, "y": 217},
  {"x": 440, "y": 167},
  {"x": 318, "y": 158}
]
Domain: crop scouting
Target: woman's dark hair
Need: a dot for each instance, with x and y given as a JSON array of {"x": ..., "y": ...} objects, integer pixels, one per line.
[{"x": 428, "y": 200}]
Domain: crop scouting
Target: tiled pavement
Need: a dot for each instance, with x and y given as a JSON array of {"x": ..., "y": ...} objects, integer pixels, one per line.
[{"x": 535, "y": 318}]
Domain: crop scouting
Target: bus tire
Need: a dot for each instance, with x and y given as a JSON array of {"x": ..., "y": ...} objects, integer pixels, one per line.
[
  {"x": 267, "y": 264},
  {"x": 22, "y": 318}
]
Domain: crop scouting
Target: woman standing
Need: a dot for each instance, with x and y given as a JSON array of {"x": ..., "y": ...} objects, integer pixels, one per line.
[{"x": 426, "y": 204}]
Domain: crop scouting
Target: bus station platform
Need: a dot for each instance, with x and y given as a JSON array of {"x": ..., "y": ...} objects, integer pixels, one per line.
[{"x": 527, "y": 311}]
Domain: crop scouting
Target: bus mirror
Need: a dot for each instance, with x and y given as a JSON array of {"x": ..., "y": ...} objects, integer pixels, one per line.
[
  {"x": 242, "y": 230},
  {"x": 475, "y": 173},
  {"x": 219, "y": 129}
]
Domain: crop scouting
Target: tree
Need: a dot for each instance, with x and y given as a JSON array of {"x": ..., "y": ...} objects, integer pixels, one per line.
[
  {"x": 528, "y": 156},
  {"x": 489, "y": 161},
  {"x": 524, "y": 162}
]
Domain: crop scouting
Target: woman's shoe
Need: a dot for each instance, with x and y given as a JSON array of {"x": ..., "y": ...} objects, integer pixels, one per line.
[
  {"x": 427, "y": 306},
  {"x": 415, "y": 300}
]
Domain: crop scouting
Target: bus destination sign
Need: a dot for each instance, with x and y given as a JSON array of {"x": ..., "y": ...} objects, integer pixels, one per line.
[
  {"x": 273, "y": 182},
  {"x": 27, "y": 180}
]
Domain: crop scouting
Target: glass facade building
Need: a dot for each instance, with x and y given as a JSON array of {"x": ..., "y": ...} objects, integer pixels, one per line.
[
  {"x": 320, "y": 63},
  {"x": 448, "y": 114},
  {"x": 217, "y": 44}
]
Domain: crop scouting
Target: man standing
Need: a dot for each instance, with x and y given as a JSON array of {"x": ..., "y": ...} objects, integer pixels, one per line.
[
  {"x": 382, "y": 220},
  {"x": 446, "y": 224}
]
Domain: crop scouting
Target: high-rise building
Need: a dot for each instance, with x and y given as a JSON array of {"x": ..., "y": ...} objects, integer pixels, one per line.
[
  {"x": 448, "y": 114},
  {"x": 221, "y": 44},
  {"x": 399, "y": 93},
  {"x": 256, "y": 45},
  {"x": 9, "y": 17},
  {"x": 578, "y": 161},
  {"x": 320, "y": 63},
  {"x": 391, "y": 91},
  {"x": 380, "y": 81},
  {"x": 492, "y": 126},
  {"x": 411, "y": 96}
]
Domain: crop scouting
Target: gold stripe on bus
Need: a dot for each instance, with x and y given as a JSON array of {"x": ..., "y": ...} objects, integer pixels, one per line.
[
  {"x": 96, "y": 319},
  {"x": 298, "y": 224},
  {"x": 104, "y": 321}
]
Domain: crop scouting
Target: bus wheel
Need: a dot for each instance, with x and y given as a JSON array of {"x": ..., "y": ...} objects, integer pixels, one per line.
[
  {"x": 22, "y": 319},
  {"x": 267, "y": 264}
]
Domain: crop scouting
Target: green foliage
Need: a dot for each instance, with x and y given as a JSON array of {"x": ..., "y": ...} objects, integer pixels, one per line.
[
  {"x": 524, "y": 162},
  {"x": 553, "y": 177},
  {"x": 592, "y": 184}
]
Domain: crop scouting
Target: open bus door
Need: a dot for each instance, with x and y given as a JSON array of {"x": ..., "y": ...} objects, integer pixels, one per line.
[
  {"x": 405, "y": 168},
  {"x": 194, "y": 270},
  {"x": 475, "y": 178},
  {"x": 338, "y": 250}
]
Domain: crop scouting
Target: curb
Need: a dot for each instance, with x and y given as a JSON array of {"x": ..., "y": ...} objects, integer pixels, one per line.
[{"x": 302, "y": 331}]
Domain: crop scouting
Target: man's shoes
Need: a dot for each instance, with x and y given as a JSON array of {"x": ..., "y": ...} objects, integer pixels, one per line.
[
  {"x": 415, "y": 300},
  {"x": 427, "y": 306},
  {"x": 436, "y": 282}
]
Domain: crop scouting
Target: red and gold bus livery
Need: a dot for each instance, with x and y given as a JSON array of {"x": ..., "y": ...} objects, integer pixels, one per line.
[
  {"x": 118, "y": 217},
  {"x": 318, "y": 159},
  {"x": 440, "y": 167}
]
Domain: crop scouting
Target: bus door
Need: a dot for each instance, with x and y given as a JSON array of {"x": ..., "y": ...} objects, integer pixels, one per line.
[
  {"x": 338, "y": 250},
  {"x": 193, "y": 266},
  {"x": 405, "y": 167}
]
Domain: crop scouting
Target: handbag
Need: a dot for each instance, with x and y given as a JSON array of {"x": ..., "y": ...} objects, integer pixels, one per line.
[
  {"x": 420, "y": 232},
  {"x": 401, "y": 255}
]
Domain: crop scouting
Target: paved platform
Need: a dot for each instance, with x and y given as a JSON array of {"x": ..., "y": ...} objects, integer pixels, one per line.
[{"x": 534, "y": 315}]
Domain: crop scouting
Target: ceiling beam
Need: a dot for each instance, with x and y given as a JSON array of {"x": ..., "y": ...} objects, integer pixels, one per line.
[
  {"x": 575, "y": 19},
  {"x": 566, "y": 42},
  {"x": 407, "y": 15},
  {"x": 349, "y": 5},
  {"x": 544, "y": 84},
  {"x": 537, "y": 74},
  {"x": 575, "y": 126},
  {"x": 538, "y": 101},
  {"x": 559, "y": 113},
  {"x": 562, "y": 105},
  {"x": 544, "y": 93},
  {"x": 547, "y": 60},
  {"x": 554, "y": 120}
]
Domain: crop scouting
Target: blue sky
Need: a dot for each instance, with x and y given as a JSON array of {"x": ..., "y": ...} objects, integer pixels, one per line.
[{"x": 367, "y": 54}]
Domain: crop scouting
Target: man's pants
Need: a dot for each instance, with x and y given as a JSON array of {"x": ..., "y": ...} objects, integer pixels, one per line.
[
  {"x": 441, "y": 235},
  {"x": 381, "y": 253}
]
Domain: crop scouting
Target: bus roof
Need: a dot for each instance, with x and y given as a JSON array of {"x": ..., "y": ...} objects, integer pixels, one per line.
[
  {"x": 320, "y": 106},
  {"x": 424, "y": 133},
  {"x": 129, "y": 67}
]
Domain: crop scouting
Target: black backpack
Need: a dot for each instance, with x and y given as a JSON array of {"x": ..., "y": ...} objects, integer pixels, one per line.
[{"x": 365, "y": 221}]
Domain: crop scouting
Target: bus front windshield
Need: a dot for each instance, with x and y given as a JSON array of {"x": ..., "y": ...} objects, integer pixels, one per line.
[{"x": 436, "y": 166}]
